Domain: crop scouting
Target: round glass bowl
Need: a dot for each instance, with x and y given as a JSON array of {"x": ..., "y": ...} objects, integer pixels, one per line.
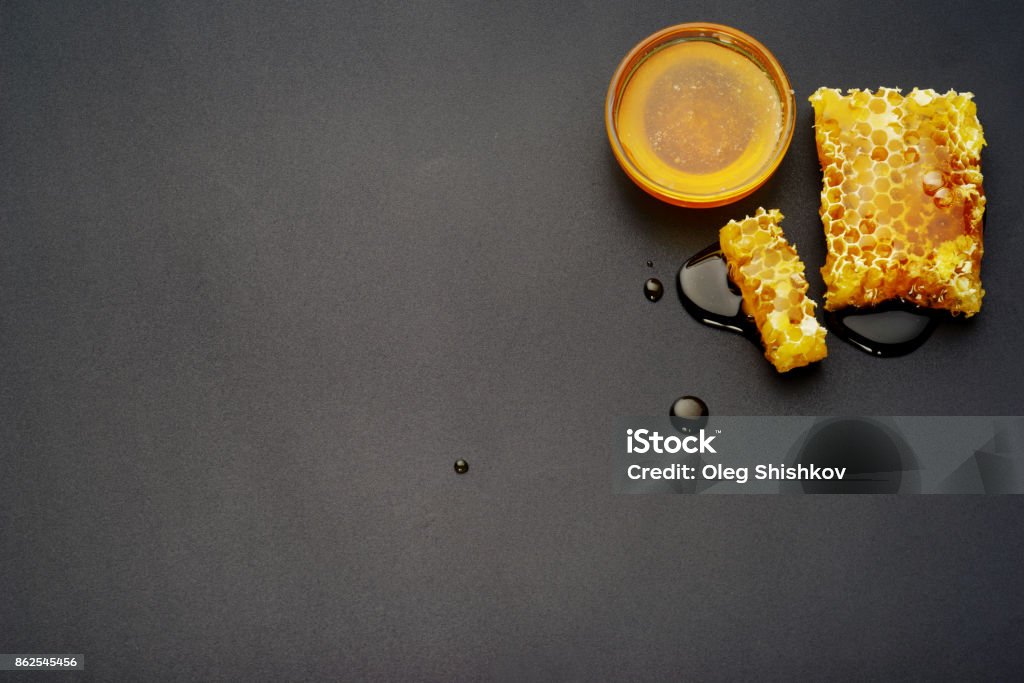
[{"x": 700, "y": 115}]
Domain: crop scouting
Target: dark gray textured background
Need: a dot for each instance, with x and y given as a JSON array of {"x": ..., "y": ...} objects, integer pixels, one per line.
[{"x": 267, "y": 270}]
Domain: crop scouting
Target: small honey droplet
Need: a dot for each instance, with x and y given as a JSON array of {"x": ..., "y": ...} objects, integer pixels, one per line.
[
  {"x": 653, "y": 289},
  {"x": 689, "y": 407},
  {"x": 689, "y": 414},
  {"x": 461, "y": 466}
]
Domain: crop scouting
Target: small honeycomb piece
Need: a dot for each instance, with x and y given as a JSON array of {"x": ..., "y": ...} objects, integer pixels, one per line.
[
  {"x": 902, "y": 199},
  {"x": 770, "y": 276}
]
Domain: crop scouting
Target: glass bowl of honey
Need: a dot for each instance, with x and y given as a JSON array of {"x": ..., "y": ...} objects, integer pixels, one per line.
[{"x": 700, "y": 115}]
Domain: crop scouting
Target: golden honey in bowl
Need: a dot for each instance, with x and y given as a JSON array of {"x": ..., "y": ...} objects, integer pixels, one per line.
[{"x": 699, "y": 115}]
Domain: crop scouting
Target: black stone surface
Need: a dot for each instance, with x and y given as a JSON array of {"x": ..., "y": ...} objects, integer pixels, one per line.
[{"x": 268, "y": 269}]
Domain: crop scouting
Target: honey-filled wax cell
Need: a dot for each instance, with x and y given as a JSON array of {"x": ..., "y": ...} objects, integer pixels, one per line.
[{"x": 698, "y": 119}]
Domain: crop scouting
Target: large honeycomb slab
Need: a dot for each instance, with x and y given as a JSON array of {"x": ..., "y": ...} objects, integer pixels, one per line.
[
  {"x": 770, "y": 276},
  {"x": 902, "y": 198}
]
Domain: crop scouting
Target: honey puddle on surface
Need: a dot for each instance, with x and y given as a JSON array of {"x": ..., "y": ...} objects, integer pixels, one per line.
[{"x": 893, "y": 328}]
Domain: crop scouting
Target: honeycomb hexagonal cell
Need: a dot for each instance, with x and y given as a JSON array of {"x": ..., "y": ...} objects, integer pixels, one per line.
[
  {"x": 770, "y": 276},
  {"x": 902, "y": 200}
]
